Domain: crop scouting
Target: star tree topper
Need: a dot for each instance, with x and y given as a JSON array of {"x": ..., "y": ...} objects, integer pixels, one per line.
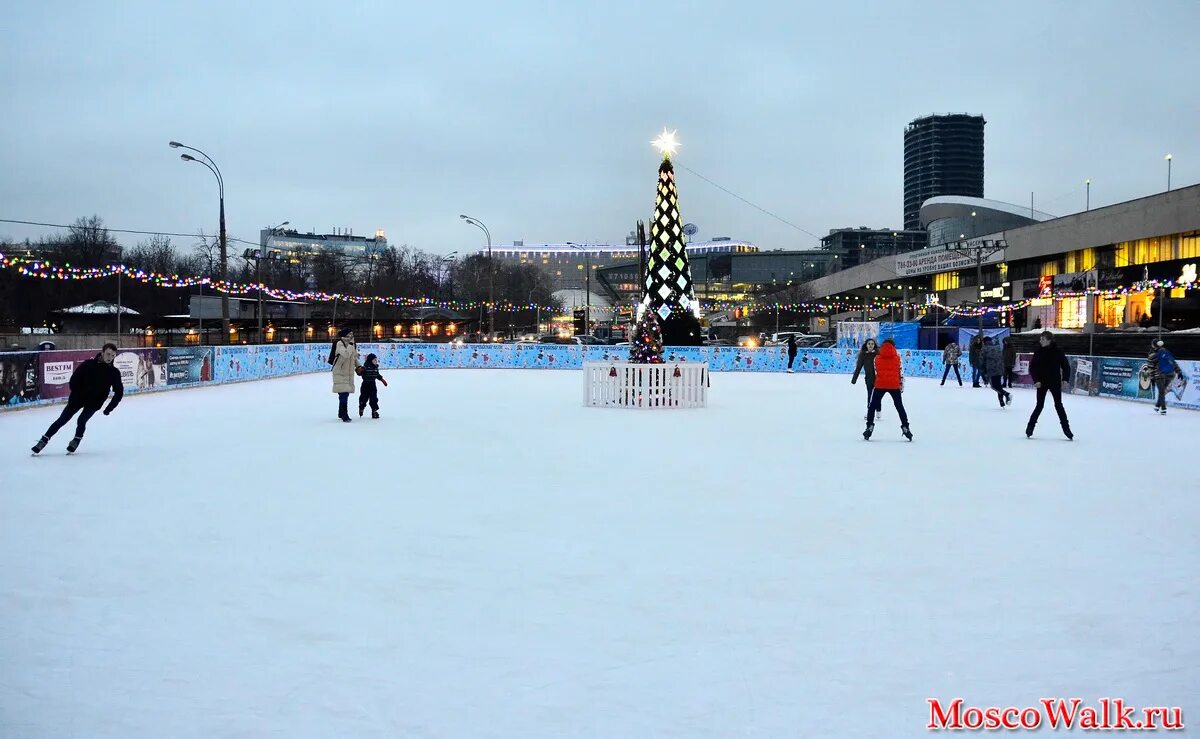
[{"x": 666, "y": 143}]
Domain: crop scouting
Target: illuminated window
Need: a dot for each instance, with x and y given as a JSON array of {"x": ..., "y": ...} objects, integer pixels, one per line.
[
  {"x": 1189, "y": 246},
  {"x": 945, "y": 281},
  {"x": 1072, "y": 312}
]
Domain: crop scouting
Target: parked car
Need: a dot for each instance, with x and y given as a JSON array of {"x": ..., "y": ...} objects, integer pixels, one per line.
[{"x": 591, "y": 340}]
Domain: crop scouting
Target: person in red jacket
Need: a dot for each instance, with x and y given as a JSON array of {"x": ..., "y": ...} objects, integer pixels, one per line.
[{"x": 889, "y": 380}]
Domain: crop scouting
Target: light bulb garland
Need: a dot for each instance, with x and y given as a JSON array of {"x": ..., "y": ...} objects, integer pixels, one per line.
[{"x": 44, "y": 269}]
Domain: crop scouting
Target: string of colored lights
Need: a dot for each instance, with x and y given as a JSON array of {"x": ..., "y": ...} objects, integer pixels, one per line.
[{"x": 43, "y": 269}]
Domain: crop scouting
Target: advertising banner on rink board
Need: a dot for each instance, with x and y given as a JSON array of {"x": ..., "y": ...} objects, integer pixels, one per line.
[
  {"x": 18, "y": 378},
  {"x": 189, "y": 365},
  {"x": 141, "y": 369}
]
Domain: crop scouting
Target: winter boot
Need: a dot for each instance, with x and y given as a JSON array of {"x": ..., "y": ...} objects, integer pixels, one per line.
[
  {"x": 73, "y": 444},
  {"x": 42, "y": 442},
  {"x": 869, "y": 431},
  {"x": 907, "y": 433}
]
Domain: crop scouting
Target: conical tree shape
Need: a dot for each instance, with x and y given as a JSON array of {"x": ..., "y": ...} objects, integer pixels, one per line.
[
  {"x": 647, "y": 344},
  {"x": 668, "y": 278}
]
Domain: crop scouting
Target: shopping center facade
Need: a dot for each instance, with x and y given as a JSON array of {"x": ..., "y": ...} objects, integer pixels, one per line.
[{"x": 1045, "y": 270}]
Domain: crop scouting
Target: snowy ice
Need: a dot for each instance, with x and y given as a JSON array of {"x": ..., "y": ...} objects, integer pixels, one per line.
[{"x": 492, "y": 559}]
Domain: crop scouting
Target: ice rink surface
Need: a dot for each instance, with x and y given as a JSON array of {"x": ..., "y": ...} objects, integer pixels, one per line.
[{"x": 491, "y": 559}]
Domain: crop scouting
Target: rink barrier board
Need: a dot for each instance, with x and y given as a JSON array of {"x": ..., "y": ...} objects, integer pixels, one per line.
[{"x": 33, "y": 378}]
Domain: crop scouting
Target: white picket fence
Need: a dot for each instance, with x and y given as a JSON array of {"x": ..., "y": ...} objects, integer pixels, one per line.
[{"x": 627, "y": 385}]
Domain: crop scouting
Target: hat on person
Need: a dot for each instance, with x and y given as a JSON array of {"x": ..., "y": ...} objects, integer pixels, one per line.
[
  {"x": 1047, "y": 335},
  {"x": 1159, "y": 343},
  {"x": 344, "y": 333}
]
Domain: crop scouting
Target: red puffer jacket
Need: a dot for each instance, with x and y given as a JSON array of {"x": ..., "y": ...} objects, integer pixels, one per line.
[{"x": 888, "y": 374}]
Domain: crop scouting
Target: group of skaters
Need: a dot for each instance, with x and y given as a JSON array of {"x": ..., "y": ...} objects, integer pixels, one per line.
[
  {"x": 343, "y": 356},
  {"x": 95, "y": 378},
  {"x": 878, "y": 364},
  {"x": 883, "y": 373}
]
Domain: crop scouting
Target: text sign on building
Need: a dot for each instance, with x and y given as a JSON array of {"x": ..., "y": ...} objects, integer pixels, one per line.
[{"x": 932, "y": 261}]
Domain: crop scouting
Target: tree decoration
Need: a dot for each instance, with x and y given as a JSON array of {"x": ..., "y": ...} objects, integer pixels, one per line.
[{"x": 668, "y": 278}]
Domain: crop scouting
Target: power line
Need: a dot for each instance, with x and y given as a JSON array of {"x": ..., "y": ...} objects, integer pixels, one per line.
[
  {"x": 727, "y": 191},
  {"x": 131, "y": 231}
]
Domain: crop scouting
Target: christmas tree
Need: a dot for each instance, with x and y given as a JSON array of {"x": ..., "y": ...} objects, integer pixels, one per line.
[
  {"x": 668, "y": 278},
  {"x": 647, "y": 344}
]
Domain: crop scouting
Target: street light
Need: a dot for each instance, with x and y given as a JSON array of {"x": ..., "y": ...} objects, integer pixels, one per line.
[
  {"x": 587, "y": 289},
  {"x": 1169, "y": 158},
  {"x": 262, "y": 252},
  {"x": 212, "y": 166},
  {"x": 1087, "y": 203},
  {"x": 491, "y": 274}
]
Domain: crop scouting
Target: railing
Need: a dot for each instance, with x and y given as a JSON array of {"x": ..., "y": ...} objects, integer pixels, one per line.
[
  {"x": 39, "y": 377},
  {"x": 627, "y": 385}
]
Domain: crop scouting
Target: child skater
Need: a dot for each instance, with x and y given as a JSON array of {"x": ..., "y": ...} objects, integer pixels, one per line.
[{"x": 369, "y": 392}]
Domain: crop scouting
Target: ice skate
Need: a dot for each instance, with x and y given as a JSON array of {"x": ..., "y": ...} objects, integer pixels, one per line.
[
  {"x": 40, "y": 445},
  {"x": 73, "y": 444},
  {"x": 374, "y": 414},
  {"x": 907, "y": 432},
  {"x": 869, "y": 431}
]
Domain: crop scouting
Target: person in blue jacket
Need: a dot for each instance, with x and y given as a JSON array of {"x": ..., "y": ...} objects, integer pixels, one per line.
[{"x": 1163, "y": 369}]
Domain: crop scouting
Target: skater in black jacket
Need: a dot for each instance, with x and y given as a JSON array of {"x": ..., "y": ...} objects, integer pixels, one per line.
[
  {"x": 369, "y": 393},
  {"x": 991, "y": 362},
  {"x": 1051, "y": 372},
  {"x": 90, "y": 383},
  {"x": 866, "y": 365}
]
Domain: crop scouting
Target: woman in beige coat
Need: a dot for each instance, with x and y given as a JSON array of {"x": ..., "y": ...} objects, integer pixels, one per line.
[{"x": 344, "y": 358}]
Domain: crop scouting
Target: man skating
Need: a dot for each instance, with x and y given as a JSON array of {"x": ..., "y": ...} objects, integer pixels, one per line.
[
  {"x": 1163, "y": 369},
  {"x": 1050, "y": 371},
  {"x": 90, "y": 383}
]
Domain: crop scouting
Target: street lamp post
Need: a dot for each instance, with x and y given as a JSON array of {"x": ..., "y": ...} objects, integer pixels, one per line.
[
  {"x": 1169, "y": 158},
  {"x": 212, "y": 166},
  {"x": 587, "y": 289},
  {"x": 1087, "y": 203},
  {"x": 491, "y": 274}
]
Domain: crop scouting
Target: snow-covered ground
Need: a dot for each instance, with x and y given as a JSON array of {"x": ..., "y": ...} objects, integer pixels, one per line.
[{"x": 491, "y": 559}]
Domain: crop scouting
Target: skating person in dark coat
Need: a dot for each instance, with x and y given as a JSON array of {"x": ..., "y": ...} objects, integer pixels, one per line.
[
  {"x": 369, "y": 393},
  {"x": 1010, "y": 361},
  {"x": 866, "y": 365},
  {"x": 950, "y": 357},
  {"x": 974, "y": 350},
  {"x": 991, "y": 361},
  {"x": 1163, "y": 369},
  {"x": 90, "y": 384},
  {"x": 1050, "y": 371},
  {"x": 791, "y": 346},
  {"x": 889, "y": 380}
]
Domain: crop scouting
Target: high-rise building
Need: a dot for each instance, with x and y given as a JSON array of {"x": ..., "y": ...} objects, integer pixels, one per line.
[{"x": 943, "y": 155}]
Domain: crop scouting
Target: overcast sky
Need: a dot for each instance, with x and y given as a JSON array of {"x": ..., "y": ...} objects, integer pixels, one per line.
[{"x": 536, "y": 117}]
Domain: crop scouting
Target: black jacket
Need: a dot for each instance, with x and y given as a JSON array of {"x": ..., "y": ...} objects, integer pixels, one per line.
[
  {"x": 370, "y": 374},
  {"x": 1010, "y": 355},
  {"x": 974, "y": 351},
  {"x": 866, "y": 365},
  {"x": 1049, "y": 365},
  {"x": 91, "y": 381}
]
